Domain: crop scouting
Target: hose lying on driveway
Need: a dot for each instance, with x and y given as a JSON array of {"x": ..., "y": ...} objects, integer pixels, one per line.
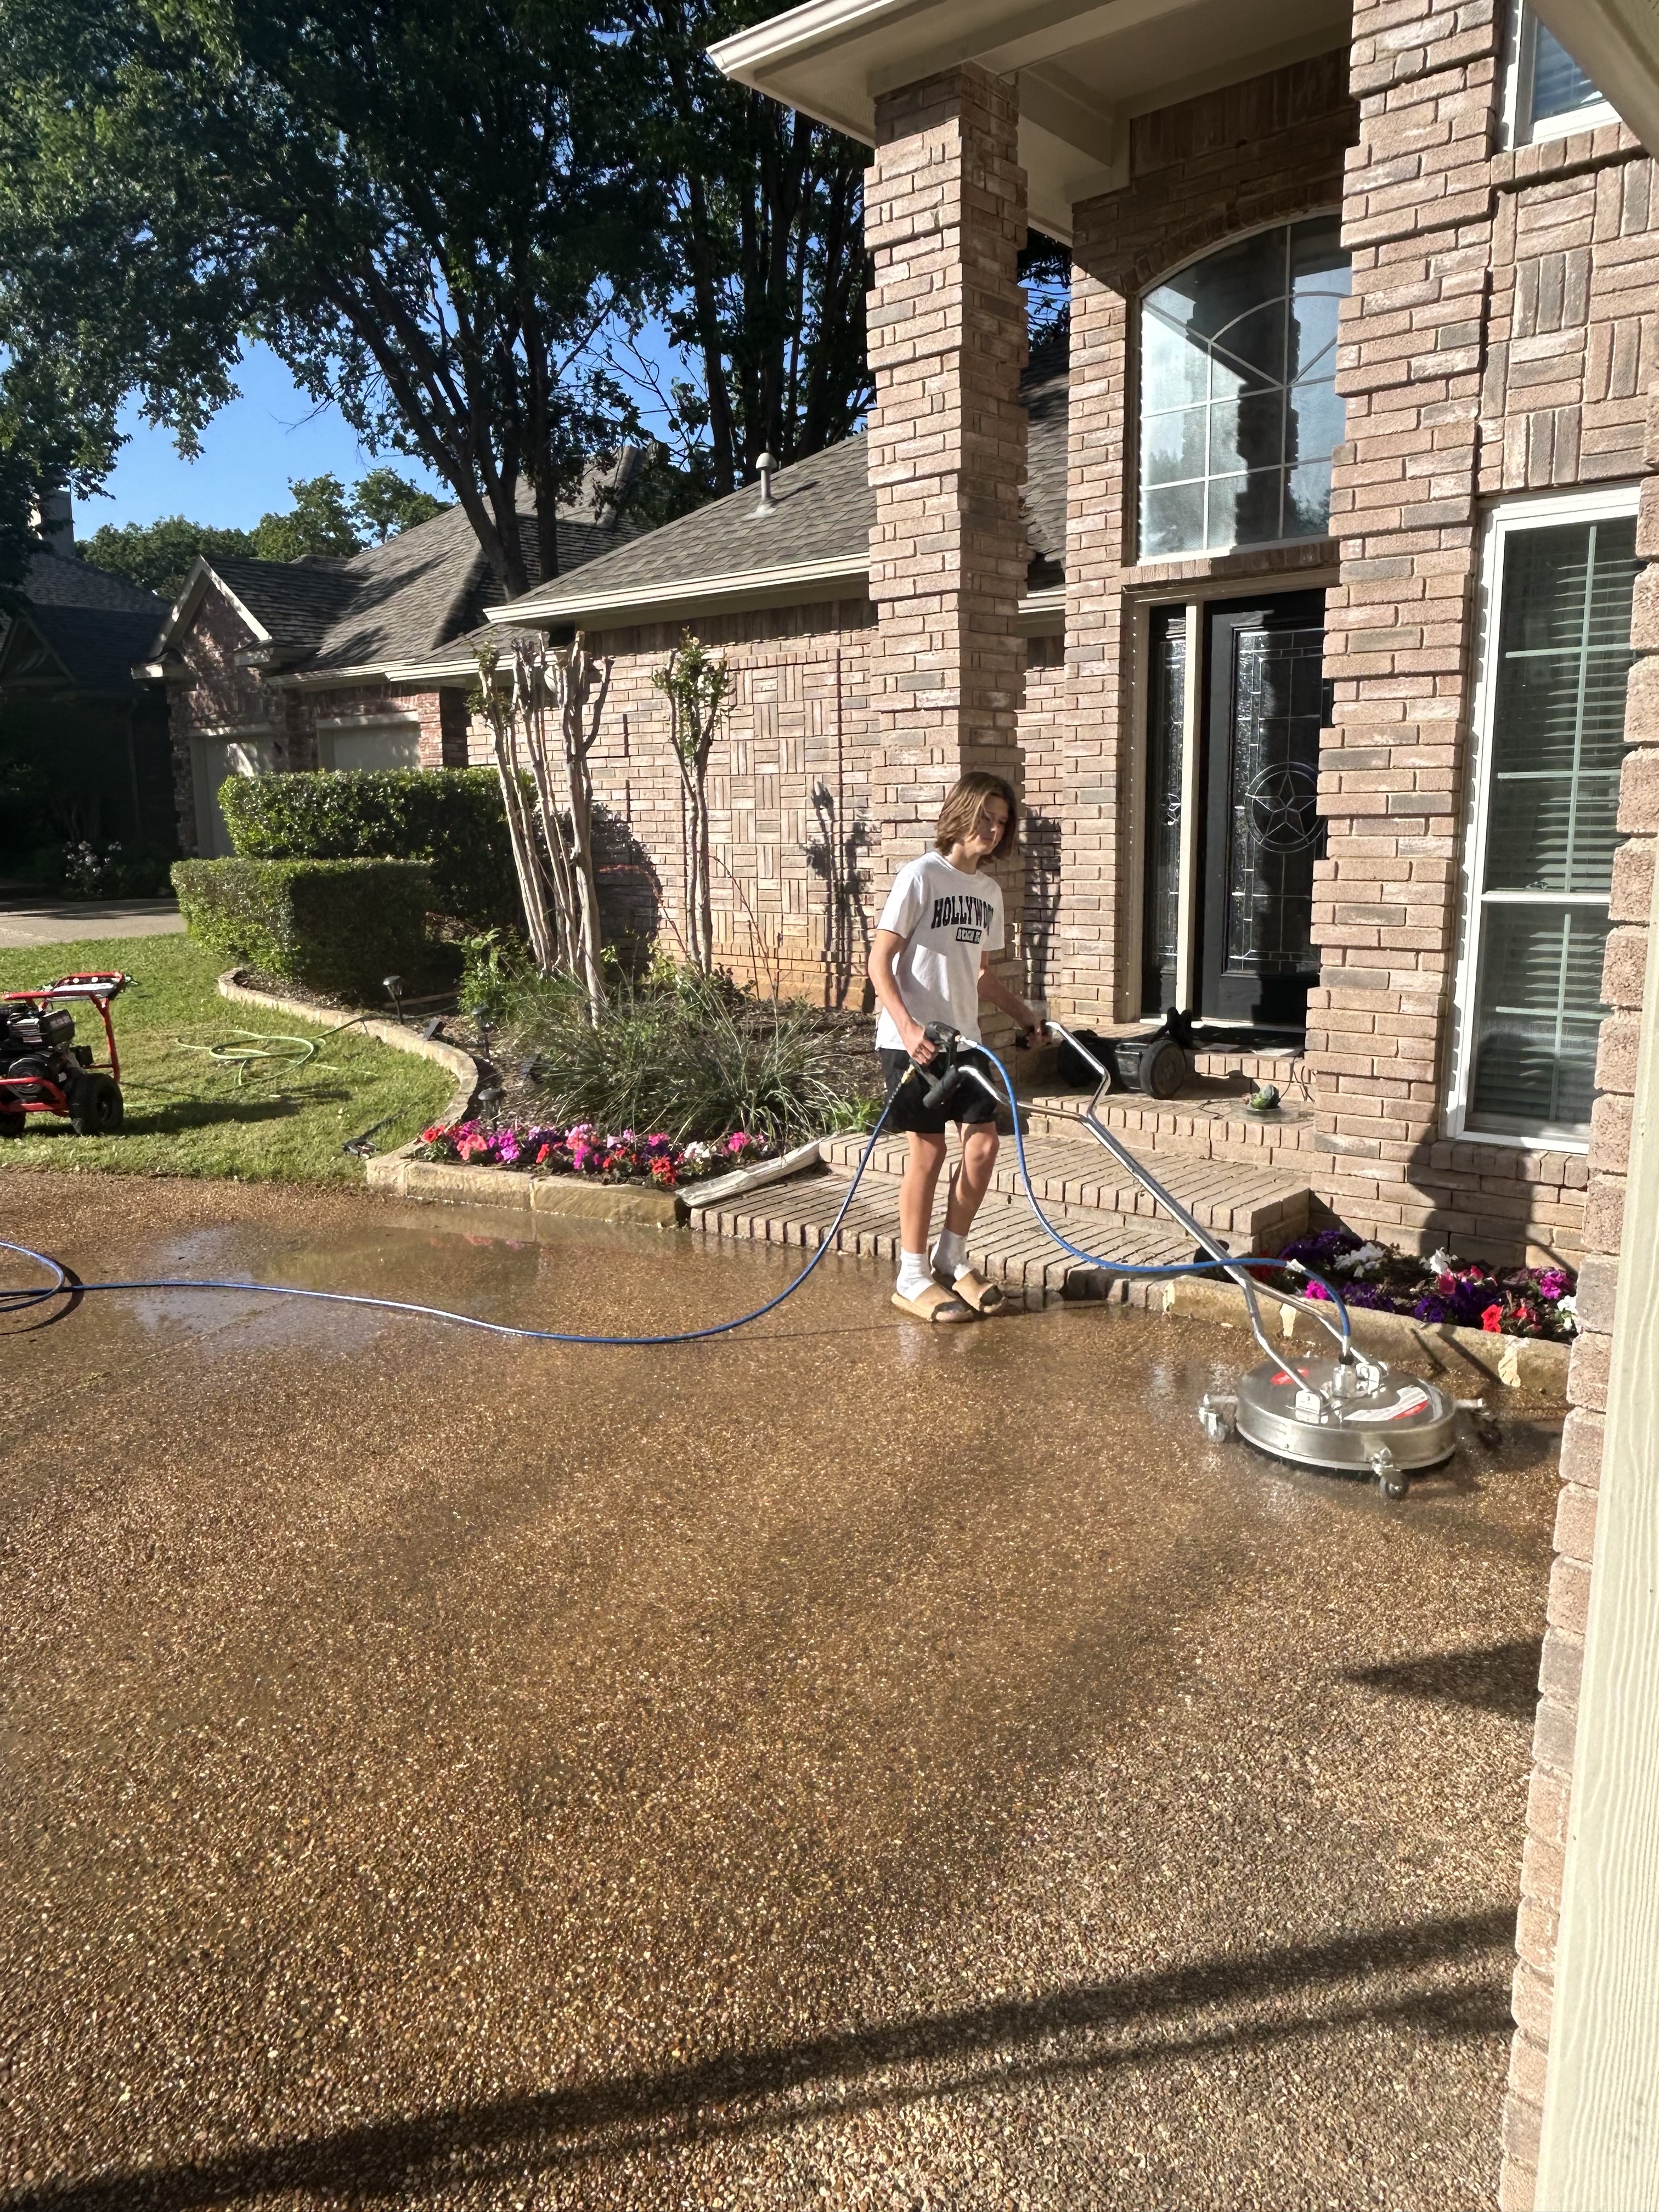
[{"x": 64, "y": 1285}]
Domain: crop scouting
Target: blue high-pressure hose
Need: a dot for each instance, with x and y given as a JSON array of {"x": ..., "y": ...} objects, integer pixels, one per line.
[{"x": 62, "y": 1286}]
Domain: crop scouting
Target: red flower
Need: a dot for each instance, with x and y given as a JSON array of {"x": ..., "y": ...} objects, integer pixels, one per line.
[{"x": 1492, "y": 1320}]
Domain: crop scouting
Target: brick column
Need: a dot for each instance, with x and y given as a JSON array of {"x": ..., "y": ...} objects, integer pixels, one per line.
[
  {"x": 945, "y": 219},
  {"x": 1400, "y": 647},
  {"x": 1587, "y": 1383}
]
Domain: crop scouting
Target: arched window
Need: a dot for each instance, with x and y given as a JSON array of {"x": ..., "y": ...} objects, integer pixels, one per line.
[{"x": 1238, "y": 408}]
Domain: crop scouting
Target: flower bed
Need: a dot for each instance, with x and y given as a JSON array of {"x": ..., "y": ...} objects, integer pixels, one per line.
[
  {"x": 1537, "y": 1302},
  {"x": 582, "y": 1150}
]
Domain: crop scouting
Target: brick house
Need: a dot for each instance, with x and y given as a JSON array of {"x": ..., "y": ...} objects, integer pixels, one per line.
[
  {"x": 1345, "y": 727},
  {"x": 92, "y": 741},
  {"x": 1284, "y": 692},
  {"x": 271, "y": 666}
]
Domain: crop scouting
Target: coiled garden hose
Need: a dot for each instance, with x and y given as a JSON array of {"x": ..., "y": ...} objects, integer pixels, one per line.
[{"x": 64, "y": 1286}]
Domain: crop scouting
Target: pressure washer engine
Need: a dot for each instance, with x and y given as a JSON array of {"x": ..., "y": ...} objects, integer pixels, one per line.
[{"x": 44, "y": 1071}]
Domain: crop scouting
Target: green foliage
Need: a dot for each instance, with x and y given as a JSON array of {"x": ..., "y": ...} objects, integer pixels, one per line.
[
  {"x": 431, "y": 213},
  {"x": 324, "y": 518},
  {"x": 452, "y": 818},
  {"x": 692, "y": 1057},
  {"x": 384, "y": 504},
  {"x": 765, "y": 238},
  {"x": 318, "y": 524},
  {"x": 336, "y": 926},
  {"x": 159, "y": 555},
  {"x": 697, "y": 685},
  {"x": 186, "y": 1116}
]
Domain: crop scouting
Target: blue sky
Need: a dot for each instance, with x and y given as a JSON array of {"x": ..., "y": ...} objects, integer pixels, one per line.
[{"x": 250, "y": 451}]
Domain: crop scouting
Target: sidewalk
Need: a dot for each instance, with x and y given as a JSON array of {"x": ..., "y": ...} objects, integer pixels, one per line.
[{"x": 22, "y": 922}]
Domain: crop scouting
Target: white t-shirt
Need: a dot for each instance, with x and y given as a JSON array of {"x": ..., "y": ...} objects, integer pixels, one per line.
[{"x": 950, "y": 920}]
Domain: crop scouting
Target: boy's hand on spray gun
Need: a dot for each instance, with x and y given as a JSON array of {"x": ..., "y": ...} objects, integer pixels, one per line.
[{"x": 917, "y": 1043}]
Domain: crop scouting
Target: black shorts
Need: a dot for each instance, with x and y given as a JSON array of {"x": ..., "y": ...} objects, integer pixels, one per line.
[{"x": 971, "y": 1103}]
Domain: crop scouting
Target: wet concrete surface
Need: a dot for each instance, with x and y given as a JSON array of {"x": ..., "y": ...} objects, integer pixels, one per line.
[{"x": 842, "y": 1765}]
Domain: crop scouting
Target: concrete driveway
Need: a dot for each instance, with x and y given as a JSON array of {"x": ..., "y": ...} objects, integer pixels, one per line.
[
  {"x": 839, "y": 1766},
  {"x": 22, "y": 922}
]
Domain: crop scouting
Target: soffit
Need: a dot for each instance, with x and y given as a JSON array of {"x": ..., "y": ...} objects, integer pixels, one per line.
[{"x": 1083, "y": 70}]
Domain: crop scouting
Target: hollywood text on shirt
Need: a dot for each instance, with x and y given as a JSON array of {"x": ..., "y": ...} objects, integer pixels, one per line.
[{"x": 970, "y": 917}]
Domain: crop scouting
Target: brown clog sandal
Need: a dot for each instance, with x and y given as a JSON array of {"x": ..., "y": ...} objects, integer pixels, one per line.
[
  {"x": 973, "y": 1291},
  {"x": 935, "y": 1303}
]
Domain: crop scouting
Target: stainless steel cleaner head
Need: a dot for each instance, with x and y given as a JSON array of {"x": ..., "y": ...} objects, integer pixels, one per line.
[{"x": 1357, "y": 1418}]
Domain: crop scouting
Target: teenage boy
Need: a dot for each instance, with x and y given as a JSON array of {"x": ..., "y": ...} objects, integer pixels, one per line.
[{"x": 930, "y": 962}]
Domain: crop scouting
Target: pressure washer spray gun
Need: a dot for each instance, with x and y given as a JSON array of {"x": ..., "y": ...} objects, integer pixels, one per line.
[{"x": 947, "y": 1070}]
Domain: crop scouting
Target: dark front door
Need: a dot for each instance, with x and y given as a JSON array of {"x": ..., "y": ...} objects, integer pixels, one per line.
[{"x": 1263, "y": 713}]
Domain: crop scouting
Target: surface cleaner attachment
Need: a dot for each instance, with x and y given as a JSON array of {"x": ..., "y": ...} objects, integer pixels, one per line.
[{"x": 1346, "y": 1414}]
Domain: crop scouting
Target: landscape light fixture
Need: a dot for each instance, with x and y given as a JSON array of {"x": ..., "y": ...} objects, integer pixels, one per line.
[{"x": 394, "y": 988}]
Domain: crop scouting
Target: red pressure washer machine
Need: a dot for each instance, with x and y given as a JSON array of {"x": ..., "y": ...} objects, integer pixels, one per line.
[{"x": 44, "y": 1071}]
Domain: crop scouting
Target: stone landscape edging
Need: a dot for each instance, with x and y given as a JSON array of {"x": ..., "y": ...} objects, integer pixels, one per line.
[
  {"x": 456, "y": 1184},
  {"x": 1534, "y": 1364}
]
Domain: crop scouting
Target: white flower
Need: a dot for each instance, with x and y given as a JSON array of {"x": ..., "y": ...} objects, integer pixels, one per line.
[
  {"x": 1442, "y": 1262},
  {"x": 1357, "y": 1263}
]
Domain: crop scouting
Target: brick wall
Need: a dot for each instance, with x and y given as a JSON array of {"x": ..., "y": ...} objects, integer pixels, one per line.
[
  {"x": 1500, "y": 321},
  {"x": 1260, "y": 152},
  {"x": 1581, "y": 1442},
  {"x": 945, "y": 219}
]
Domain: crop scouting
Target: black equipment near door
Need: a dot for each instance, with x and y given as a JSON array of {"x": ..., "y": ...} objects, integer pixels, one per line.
[{"x": 1265, "y": 708}]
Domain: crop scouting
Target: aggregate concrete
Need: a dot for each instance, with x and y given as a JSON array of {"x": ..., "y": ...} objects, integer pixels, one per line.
[{"x": 843, "y": 1765}]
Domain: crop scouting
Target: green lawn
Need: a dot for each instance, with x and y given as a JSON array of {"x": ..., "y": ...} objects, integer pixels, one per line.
[{"x": 185, "y": 1115}]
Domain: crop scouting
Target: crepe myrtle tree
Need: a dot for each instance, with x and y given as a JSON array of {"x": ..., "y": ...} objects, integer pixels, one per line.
[
  {"x": 698, "y": 687},
  {"x": 544, "y": 710}
]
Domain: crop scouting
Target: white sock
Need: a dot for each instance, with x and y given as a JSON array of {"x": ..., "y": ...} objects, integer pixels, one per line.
[
  {"x": 950, "y": 1254},
  {"x": 913, "y": 1275}
]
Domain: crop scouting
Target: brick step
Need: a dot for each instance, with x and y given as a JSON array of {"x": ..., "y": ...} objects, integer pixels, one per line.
[
  {"x": 1257, "y": 1205},
  {"x": 1206, "y": 1120},
  {"x": 1006, "y": 1244}
]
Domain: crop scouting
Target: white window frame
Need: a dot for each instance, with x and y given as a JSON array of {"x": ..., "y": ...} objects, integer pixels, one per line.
[
  {"x": 1538, "y": 511},
  {"x": 1519, "y": 129}
]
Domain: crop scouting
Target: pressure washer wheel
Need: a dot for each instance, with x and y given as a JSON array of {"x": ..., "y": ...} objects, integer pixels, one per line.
[{"x": 1357, "y": 1418}]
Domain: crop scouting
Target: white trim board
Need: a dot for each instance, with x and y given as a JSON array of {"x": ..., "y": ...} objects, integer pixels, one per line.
[
  {"x": 1533, "y": 510},
  {"x": 1600, "y": 2144}
]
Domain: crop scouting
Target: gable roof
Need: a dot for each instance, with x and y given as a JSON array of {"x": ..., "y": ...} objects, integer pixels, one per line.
[
  {"x": 818, "y": 536},
  {"x": 79, "y": 627},
  {"x": 391, "y": 603}
]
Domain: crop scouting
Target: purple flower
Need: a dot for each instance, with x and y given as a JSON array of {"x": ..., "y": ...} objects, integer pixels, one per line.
[
  {"x": 1431, "y": 1308},
  {"x": 1553, "y": 1283}
]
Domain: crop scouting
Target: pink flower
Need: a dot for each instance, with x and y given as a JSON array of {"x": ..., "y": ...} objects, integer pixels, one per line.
[{"x": 1445, "y": 1282}]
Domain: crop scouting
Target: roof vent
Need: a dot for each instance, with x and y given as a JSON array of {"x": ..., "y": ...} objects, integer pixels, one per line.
[{"x": 766, "y": 504}]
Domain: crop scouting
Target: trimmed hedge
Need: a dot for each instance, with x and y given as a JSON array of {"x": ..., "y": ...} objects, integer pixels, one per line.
[
  {"x": 337, "y": 926},
  {"x": 450, "y": 817}
]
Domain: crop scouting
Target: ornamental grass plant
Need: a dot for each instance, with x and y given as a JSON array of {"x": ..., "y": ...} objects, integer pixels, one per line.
[{"x": 687, "y": 1054}]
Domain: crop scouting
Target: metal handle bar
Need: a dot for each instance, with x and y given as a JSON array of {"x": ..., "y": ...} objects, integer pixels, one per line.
[{"x": 1150, "y": 1183}]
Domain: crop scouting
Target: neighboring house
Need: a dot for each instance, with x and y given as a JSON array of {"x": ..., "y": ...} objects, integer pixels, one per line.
[
  {"x": 92, "y": 741},
  {"x": 269, "y": 667}
]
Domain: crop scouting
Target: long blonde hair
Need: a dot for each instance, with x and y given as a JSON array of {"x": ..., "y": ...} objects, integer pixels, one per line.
[{"x": 962, "y": 810}]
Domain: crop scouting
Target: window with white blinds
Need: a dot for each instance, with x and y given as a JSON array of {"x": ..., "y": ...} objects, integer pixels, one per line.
[
  {"x": 1553, "y": 746},
  {"x": 1548, "y": 94}
]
